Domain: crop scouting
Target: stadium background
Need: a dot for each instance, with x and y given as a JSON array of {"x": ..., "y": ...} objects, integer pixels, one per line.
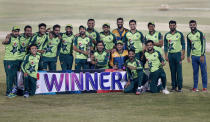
[{"x": 186, "y": 106}]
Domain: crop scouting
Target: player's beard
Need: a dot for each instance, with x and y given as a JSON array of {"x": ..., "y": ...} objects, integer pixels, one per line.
[
  {"x": 193, "y": 28},
  {"x": 120, "y": 26}
]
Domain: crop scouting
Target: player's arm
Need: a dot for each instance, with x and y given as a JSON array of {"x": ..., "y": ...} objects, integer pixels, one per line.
[
  {"x": 183, "y": 46},
  {"x": 23, "y": 65},
  {"x": 203, "y": 43},
  {"x": 125, "y": 40},
  {"x": 7, "y": 39},
  {"x": 142, "y": 41},
  {"x": 166, "y": 47},
  {"x": 160, "y": 38}
]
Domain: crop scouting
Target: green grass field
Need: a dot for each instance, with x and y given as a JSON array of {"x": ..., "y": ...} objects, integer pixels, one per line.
[{"x": 176, "y": 107}]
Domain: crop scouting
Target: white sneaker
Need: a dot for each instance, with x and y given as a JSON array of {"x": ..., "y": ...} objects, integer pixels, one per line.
[{"x": 165, "y": 91}]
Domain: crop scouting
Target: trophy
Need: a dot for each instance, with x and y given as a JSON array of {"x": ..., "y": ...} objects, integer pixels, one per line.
[{"x": 89, "y": 51}]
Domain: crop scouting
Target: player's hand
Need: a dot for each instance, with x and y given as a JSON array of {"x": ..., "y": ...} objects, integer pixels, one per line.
[
  {"x": 127, "y": 84},
  {"x": 131, "y": 67},
  {"x": 41, "y": 51},
  {"x": 166, "y": 58},
  {"x": 182, "y": 57},
  {"x": 188, "y": 59},
  {"x": 8, "y": 36},
  {"x": 115, "y": 67},
  {"x": 25, "y": 74},
  {"x": 93, "y": 62},
  {"x": 77, "y": 35},
  {"x": 63, "y": 41},
  {"x": 85, "y": 52},
  {"x": 113, "y": 50},
  {"x": 202, "y": 59},
  {"x": 163, "y": 63}
]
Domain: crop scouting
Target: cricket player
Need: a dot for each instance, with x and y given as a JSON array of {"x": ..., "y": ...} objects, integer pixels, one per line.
[
  {"x": 40, "y": 39},
  {"x": 196, "y": 44},
  {"x": 66, "y": 50},
  {"x": 136, "y": 75},
  {"x": 119, "y": 57},
  {"x": 120, "y": 31},
  {"x": 155, "y": 36},
  {"x": 174, "y": 48},
  {"x": 52, "y": 49},
  {"x": 30, "y": 69},
  {"x": 134, "y": 39},
  {"x": 156, "y": 63},
  {"x": 81, "y": 45},
  {"x": 10, "y": 61},
  {"x": 100, "y": 58},
  {"x": 91, "y": 32},
  {"x": 24, "y": 39},
  {"x": 107, "y": 37}
]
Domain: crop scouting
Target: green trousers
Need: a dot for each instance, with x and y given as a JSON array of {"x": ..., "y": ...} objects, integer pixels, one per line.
[
  {"x": 66, "y": 61},
  {"x": 137, "y": 82},
  {"x": 154, "y": 76},
  {"x": 30, "y": 85},
  {"x": 176, "y": 69},
  {"x": 81, "y": 64},
  {"x": 11, "y": 68}
]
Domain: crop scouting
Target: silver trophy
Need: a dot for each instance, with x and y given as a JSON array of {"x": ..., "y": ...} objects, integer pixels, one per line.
[{"x": 89, "y": 52}]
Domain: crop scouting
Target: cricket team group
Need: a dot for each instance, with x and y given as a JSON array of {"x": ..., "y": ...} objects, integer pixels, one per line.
[{"x": 119, "y": 49}]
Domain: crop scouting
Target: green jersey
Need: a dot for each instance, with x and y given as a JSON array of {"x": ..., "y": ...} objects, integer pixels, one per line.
[
  {"x": 11, "y": 49},
  {"x": 30, "y": 65},
  {"x": 155, "y": 37},
  {"x": 197, "y": 43},
  {"x": 23, "y": 44},
  {"x": 82, "y": 44},
  {"x": 52, "y": 47},
  {"x": 134, "y": 40},
  {"x": 132, "y": 74},
  {"x": 67, "y": 44},
  {"x": 109, "y": 40},
  {"x": 154, "y": 60},
  {"x": 94, "y": 34},
  {"x": 102, "y": 59},
  {"x": 174, "y": 43},
  {"x": 39, "y": 40}
]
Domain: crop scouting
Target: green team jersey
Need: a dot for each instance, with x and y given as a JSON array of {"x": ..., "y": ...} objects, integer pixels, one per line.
[
  {"x": 102, "y": 59},
  {"x": 23, "y": 44},
  {"x": 52, "y": 47},
  {"x": 109, "y": 40},
  {"x": 174, "y": 43},
  {"x": 11, "y": 49},
  {"x": 154, "y": 60},
  {"x": 132, "y": 74},
  {"x": 82, "y": 44},
  {"x": 30, "y": 65},
  {"x": 197, "y": 43},
  {"x": 155, "y": 37},
  {"x": 94, "y": 34},
  {"x": 67, "y": 44},
  {"x": 39, "y": 40},
  {"x": 134, "y": 40}
]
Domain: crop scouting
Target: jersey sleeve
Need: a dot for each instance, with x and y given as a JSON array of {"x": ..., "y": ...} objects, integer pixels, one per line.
[
  {"x": 182, "y": 41},
  {"x": 165, "y": 44},
  {"x": 203, "y": 43}
]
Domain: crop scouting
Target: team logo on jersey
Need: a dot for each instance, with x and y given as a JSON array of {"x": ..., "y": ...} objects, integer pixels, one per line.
[
  {"x": 137, "y": 36},
  {"x": 15, "y": 44},
  {"x": 50, "y": 43},
  {"x": 155, "y": 36},
  {"x": 80, "y": 44},
  {"x": 177, "y": 36}
]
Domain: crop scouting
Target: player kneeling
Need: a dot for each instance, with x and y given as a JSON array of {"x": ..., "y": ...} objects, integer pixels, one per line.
[
  {"x": 136, "y": 75},
  {"x": 156, "y": 63},
  {"x": 30, "y": 69}
]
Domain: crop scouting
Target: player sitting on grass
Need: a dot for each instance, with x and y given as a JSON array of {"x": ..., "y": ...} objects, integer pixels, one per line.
[
  {"x": 156, "y": 63},
  {"x": 30, "y": 69},
  {"x": 136, "y": 75},
  {"x": 100, "y": 58},
  {"x": 119, "y": 56}
]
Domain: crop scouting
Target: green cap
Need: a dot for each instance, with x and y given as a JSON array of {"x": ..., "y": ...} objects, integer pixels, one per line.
[
  {"x": 15, "y": 28},
  {"x": 69, "y": 25},
  {"x": 120, "y": 42},
  {"x": 106, "y": 24}
]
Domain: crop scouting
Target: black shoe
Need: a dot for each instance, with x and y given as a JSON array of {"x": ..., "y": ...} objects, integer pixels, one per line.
[{"x": 173, "y": 90}]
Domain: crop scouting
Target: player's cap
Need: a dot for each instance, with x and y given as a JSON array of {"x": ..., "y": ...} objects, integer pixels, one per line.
[
  {"x": 106, "y": 24},
  {"x": 120, "y": 42},
  {"x": 16, "y": 28},
  {"x": 69, "y": 25}
]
